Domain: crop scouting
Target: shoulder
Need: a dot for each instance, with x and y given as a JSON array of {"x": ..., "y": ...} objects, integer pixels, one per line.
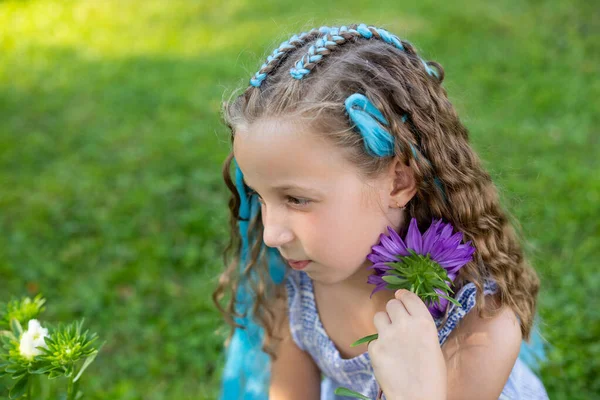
[
  {"x": 500, "y": 331},
  {"x": 483, "y": 350}
]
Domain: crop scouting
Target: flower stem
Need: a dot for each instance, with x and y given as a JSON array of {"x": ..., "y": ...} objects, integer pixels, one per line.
[
  {"x": 72, "y": 389},
  {"x": 29, "y": 383}
]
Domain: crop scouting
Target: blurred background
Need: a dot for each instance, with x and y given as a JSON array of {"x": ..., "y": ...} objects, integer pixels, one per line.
[{"x": 111, "y": 199}]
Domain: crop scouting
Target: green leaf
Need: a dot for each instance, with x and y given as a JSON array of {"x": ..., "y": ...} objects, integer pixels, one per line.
[
  {"x": 394, "y": 280},
  {"x": 20, "y": 374},
  {"x": 12, "y": 368},
  {"x": 16, "y": 328},
  {"x": 364, "y": 340},
  {"x": 450, "y": 299},
  {"x": 6, "y": 336},
  {"x": 87, "y": 362},
  {"x": 19, "y": 388},
  {"x": 350, "y": 393},
  {"x": 419, "y": 285},
  {"x": 54, "y": 374},
  {"x": 42, "y": 370},
  {"x": 394, "y": 272}
]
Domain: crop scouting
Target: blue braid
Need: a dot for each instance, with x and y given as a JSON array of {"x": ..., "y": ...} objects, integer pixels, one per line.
[
  {"x": 290, "y": 44},
  {"x": 334, "y": 37}
]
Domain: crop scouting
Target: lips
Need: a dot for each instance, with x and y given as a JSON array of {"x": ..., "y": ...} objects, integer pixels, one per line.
[{"x": 298, "y": 265}]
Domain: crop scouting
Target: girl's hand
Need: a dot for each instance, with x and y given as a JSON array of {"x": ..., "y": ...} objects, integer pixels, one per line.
[{"x": 407, "y": 359}]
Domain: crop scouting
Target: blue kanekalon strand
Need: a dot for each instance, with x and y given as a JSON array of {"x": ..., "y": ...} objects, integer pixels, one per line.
[
  {"x": 368, "y": 121},
  {"x": 247, "y": 369},
  {"x": 534, "y": 352}
]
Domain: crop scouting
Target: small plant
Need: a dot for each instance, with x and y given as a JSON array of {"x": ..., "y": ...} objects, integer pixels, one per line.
[{"x": 26, "y": 355}]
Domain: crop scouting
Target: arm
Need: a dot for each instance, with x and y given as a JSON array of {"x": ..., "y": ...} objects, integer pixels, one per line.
[
  {"x": 294, "y": 375},
  {"x": 480, "y": 354}
]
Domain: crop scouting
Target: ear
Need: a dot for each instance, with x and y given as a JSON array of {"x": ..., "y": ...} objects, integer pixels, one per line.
[{"x": 402, "y": 182}]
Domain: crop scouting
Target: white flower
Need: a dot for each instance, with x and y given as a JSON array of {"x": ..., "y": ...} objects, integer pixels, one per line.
[{"x": 33, "y": 337}]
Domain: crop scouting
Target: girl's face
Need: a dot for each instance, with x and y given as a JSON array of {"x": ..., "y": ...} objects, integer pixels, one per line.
[{"x": 314, "y": 205}]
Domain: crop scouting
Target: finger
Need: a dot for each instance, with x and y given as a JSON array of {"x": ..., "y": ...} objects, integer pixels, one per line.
[
  {"x": 412, "y": 303},
  {"x": 396, "y": 310},
  {"x": 381, "y": 320}
]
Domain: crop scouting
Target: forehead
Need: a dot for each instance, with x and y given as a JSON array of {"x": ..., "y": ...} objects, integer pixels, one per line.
[{"x": 278, "y": 152}]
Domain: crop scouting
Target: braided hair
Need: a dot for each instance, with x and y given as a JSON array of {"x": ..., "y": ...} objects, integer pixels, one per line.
[
  {"x": 279, "y": 54},
  {"x": 334, "y": 37}
]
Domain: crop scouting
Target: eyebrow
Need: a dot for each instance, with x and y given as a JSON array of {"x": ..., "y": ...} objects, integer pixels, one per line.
[{"x": 289, "y": 187}]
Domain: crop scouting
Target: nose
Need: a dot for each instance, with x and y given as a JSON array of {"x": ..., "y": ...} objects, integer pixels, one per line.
[{"x": 276, "y": 232}]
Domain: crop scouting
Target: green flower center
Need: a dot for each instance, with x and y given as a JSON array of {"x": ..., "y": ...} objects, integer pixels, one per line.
[{"x": 419, "y": 274}]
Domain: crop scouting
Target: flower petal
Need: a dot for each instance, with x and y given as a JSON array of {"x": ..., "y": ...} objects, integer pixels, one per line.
[
  {"x": 375, "y": 258},
  {"x": 446, "y": 231},
  {"x": 454, "y": 265},
  {"x": 382, "y": 251},
  {"x": 402, "y": 250},
  {"x": 429, "y": 237},
  {"x": 413, "y": 238},
  {"x": 375, "y": 279},
  {"x": 377, "y": 289},
  {"x": 390, "y": 245},
  {"x": 380, "y": 268}
]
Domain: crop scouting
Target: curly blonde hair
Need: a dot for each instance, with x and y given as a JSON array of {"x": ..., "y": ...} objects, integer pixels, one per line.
[{"x": 398, "y": 83}]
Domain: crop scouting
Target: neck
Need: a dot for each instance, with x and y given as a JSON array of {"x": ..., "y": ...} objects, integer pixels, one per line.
[{"x": 356, "y": 289}]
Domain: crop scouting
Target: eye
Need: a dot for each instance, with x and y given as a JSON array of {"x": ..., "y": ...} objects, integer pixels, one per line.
[
  {"x": 295, "y": 201},
  {"x": 298, "y": 202}
]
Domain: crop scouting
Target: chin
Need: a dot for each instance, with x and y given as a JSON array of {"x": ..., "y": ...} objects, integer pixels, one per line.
[{"x": 325, "y": 278}]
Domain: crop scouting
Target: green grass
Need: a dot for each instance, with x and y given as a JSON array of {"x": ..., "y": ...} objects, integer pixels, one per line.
[{"x": 110, "y": 151}]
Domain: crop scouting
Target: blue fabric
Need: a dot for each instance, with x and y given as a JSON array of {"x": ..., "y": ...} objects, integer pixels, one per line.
[
  {"x": 534, "y": 352},
  {"x": 357, "y": 373}
]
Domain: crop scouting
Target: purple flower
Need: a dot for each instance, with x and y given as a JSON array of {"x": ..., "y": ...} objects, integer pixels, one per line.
[{"x": 425, "y": 264}]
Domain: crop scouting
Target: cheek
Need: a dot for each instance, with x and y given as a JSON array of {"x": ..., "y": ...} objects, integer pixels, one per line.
[{"x": 348, "y": 232}]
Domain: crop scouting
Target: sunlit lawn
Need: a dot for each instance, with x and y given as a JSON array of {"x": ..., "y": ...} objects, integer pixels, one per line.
[{"x": 112, "y": 204}]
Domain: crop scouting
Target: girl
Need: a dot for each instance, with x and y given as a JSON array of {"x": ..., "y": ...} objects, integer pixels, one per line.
[{"x": 340, "y": 134}]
